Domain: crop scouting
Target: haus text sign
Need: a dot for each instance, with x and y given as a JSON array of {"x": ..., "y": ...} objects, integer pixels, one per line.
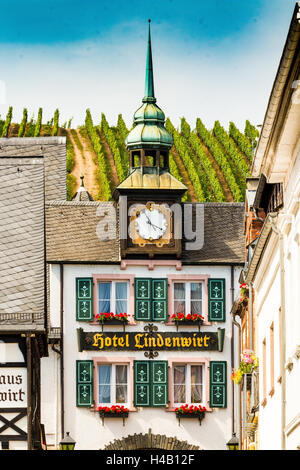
[{"x": 13, "y": 387}]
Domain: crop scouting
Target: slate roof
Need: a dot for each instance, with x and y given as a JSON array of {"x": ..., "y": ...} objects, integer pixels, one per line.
[
  {"x": 71, "y": 231},
  {"x": 223, "y": 235},
  {"x": 53, "y": 149},
  {"x": 74, "y": 232},
  {"x": 22, "y": 240}
]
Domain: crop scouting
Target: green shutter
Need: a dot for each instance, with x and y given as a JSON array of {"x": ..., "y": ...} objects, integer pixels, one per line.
[
  {"x": 216, "y": 300},
  {"x": 142, "y": 383},
  {"x": 84, "y": 383},
  {"x": 218, "y": 384},
  {"x": 159, "y": 299},
  {"x": 142, "y": 299},
  {"x": 150, "y": 383},
  {"x": 84, "y": 299},
  {"x": 159, "y": 374}
]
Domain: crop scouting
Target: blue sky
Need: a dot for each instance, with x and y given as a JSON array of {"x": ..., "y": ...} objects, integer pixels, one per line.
[{"x": 215, "y": 59}]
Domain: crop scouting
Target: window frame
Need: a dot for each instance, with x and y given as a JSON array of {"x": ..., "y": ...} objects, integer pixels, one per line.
[
  {"x": 204, "y": 362},
  {"x": 175, "y": 278},
  {"x": 113, "y": 298},
  {"x": 188, "y": 384},
  {"x": 117, "y": 360},
  {"x": 113, "y": 384},
  {"x": 117, "y": 278},
  {"x": 187, "y": 294}
]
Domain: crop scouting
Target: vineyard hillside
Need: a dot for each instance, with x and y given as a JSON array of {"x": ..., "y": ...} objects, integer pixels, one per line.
[{"x": 212, "y": 163}]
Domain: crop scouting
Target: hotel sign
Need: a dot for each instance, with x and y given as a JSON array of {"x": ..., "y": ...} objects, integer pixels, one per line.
[{"x": 143, "y": 341}]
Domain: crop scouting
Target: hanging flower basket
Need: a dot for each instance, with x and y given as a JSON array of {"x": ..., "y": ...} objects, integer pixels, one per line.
[
  {"x": 111, "y": 318},
  {"x": 114, "y": 411},
  {"x": 190, "y": 411},
  {"x": 189, "y": 319},
  {"x": 248, "y": 364}
]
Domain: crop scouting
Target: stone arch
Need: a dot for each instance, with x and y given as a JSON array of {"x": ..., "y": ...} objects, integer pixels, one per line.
[{"x": 149, "y": 441}]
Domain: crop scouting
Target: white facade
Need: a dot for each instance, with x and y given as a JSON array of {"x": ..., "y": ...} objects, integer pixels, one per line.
[
  {"x": 84, "y": 424},
  {"x": 275, "y": 268}
]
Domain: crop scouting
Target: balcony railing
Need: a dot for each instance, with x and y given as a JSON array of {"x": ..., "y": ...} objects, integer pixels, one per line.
[{"x": 22, "y": 318}]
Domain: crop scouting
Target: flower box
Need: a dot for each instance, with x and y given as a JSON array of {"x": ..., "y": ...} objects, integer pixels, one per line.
[
  {"x": 187, "y": 320},
  {"x": 190, "y": 412},
  {"x": 114, "y": 411},
  {"x": 112, "y": 319}
]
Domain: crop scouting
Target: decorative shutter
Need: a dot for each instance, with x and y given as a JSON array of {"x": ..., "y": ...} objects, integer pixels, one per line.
[
  {"x": 84, "y": 381},
  {"x": 142, "y": 383},
  {"x": 84, "y": 299},
  {"x": 159, "y": 299},
  {"x": 159, "y": 381},
  {"x": 142, "y": 299},
  {"x": 218, "y": 384},
  {"x": 216, "y": 299}
]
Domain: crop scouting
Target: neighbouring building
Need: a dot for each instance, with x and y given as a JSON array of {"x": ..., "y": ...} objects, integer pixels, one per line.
[
  {"x": 149, "y": 256},
  {"x": 32, "y": 171},
  {"x": 272, "y": 271}
]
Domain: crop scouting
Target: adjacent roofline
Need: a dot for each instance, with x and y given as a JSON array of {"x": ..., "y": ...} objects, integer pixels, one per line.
[
  {"x": 260, "y": 246},
  {"x": 279, "y": 87},
  {"x": 32, "y": 140}
]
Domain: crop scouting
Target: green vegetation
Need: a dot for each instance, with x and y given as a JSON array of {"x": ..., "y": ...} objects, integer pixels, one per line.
[
  {"x": 7, "y": 122},
  {"x": 95, "y": 139},
  {"x": 212, "y": 164},
  {"x": 38, "y": 125},
  {"x": 23, "y": 123}
]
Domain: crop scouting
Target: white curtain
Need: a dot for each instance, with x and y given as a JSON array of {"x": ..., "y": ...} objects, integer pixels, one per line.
[
  {"x": 196, "y": 298},
  {"x": 104, "y": 290},
  {"x": 179, "y": 384},
  {"x": 121, "y": 384},
  {"x": 196, "y": 384},
  {"x": 104, "y": 374},
  {"x": 121, "y": 297},
  {"x": 179, "y": 297}
]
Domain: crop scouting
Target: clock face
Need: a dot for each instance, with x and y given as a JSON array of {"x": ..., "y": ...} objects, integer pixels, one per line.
[{"x": 151, "y": 224}]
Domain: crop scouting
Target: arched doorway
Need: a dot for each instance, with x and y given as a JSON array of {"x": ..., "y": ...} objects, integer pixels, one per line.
[{"x": 149, "y": 441}]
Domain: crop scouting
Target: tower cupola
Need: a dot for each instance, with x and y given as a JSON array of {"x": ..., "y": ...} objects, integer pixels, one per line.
[{"x": 149, "y": 142}]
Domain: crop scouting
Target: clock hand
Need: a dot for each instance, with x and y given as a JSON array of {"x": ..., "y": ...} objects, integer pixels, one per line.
[
  {"x": 150, "y": 223},
  {"x": 153, "y": 225}
]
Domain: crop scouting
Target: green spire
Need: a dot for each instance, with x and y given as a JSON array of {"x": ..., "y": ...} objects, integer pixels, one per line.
[{"x": 149, "y": 82}]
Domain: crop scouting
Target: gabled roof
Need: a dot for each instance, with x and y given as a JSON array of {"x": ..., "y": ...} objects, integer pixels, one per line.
[{"x": 72, "y": 230}]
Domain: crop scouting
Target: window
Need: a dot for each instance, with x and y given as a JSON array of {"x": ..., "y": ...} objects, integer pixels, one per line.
[
  {"x": 113, "y": 297},
  {"x": 188, "y": 383},
  {"x": 188, "y": 297},
  {"x": 113, "y": 380}
]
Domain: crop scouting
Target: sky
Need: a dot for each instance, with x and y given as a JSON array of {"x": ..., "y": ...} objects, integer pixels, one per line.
[{"x": 213, "y": 59}]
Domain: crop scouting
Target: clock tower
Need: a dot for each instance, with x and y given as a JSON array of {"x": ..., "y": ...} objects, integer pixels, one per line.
[{"x": 151, "y": 193}]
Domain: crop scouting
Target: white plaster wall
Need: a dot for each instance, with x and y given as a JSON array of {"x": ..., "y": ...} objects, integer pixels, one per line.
[
  {"x": 85, "y": 425},
  {"x": 267, "y": 303},
  {"x": 270, "y": 414},
  {"x": 50, "y": 397}
]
